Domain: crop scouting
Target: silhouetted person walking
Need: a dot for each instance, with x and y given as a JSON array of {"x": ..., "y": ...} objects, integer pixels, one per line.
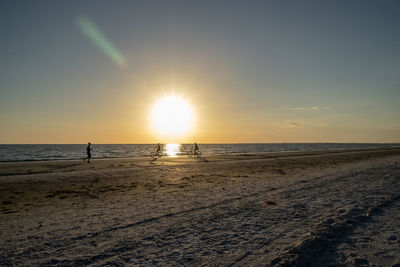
[{"x": 89, "y": 155}]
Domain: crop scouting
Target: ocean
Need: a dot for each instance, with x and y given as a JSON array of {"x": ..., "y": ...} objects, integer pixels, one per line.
[{"x": 78, "y": 151}]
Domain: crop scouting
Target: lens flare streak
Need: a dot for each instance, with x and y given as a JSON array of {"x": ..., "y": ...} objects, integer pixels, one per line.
[{"x": 93, "y": 33}]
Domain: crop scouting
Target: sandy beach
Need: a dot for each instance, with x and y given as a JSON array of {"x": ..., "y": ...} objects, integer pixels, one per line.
[{"x": 278, "y": 209}]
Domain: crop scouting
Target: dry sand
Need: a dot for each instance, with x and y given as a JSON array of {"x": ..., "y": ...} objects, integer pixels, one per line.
[{"x": 288, "y": 209}]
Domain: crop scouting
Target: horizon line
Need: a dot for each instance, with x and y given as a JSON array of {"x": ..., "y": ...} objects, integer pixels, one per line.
[{"x": 222, "y": 143}]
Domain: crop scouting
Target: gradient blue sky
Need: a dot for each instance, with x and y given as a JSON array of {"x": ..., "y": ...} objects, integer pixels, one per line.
[{"x": 255, "y": 71}]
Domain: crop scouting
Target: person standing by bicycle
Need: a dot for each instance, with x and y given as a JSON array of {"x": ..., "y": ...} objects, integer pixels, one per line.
[
  {"x": 157, "y": 152},
  {"x": 195, "y": 149},
  {"x": 158, "y": 149}
]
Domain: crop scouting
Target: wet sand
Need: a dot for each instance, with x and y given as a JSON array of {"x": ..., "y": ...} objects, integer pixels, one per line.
[{"x": 303, "y": 209}]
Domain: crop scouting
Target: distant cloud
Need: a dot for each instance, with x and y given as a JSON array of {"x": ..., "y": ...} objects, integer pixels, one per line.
[
  {"x": 315, "y": 108},
  {"x": 298, "y": 124}
]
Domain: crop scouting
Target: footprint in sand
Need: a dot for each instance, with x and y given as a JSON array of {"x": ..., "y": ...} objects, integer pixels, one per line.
[
  {"x": 7, "y": 211},
  {"x": 281, "y": 172}
]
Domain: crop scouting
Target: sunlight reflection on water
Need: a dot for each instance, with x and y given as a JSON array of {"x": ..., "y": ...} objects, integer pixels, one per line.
[{"x": 172, "y": 150}]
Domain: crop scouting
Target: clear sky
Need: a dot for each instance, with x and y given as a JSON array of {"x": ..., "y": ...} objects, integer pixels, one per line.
[{"x": 253, "y": 71}]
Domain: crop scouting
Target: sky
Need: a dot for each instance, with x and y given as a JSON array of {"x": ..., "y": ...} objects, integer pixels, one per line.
[{"x": 253, "y": 71}]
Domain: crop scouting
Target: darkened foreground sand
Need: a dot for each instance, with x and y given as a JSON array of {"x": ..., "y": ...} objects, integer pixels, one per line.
[{"x": 293, "y": 209}]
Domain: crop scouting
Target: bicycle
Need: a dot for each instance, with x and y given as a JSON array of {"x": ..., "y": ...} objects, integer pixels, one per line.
[
  {"x": 193, "y": 153},
  {"x": 154, "y": 154}
]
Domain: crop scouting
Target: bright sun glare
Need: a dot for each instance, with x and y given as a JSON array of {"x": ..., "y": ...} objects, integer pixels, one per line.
[{"x": 172, "y": 116}]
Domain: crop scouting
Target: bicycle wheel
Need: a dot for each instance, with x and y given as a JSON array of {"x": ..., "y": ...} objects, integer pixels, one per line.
[
  {"x": 190, "y": 154},
  {"x": 198, "y": 154},
  {"x": 152, "y": 154},
  {"x": 159, "y": 154}
]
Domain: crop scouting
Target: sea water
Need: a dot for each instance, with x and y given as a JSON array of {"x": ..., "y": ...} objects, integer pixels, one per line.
[{"x": 78, "y": 151}]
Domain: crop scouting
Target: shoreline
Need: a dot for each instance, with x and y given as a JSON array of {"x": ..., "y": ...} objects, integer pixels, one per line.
[
  {"x": 19, "y": 168},
  {"x": 339, "y": 150},
  {"x": 16, "y": 168},
  {"x": 206, "y": 151}
]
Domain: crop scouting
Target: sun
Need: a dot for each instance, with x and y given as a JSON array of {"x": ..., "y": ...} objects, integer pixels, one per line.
[{"x": 172, "y": 116}]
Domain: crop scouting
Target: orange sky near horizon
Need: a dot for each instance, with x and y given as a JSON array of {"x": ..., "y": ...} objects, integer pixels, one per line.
[{"x": 217, "y": 121}]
